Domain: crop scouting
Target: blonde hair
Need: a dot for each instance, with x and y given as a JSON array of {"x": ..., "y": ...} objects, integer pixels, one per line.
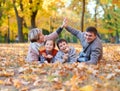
[{"x": 33, "y": 35}]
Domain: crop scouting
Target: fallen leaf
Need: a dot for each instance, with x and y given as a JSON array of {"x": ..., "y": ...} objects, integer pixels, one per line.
[{"x": 86, "y": 88}]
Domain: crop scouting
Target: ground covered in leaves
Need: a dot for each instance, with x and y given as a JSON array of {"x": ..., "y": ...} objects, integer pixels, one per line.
[{"x": 17, "y": 75}]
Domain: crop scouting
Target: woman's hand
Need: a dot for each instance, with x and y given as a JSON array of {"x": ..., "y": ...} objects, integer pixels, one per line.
[{"x": 65, "y": 23}]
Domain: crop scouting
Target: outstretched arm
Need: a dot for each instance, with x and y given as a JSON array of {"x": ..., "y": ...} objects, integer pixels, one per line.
[
  {"x": 70, "y": 29},
  {"x": 55, "y": 34}
]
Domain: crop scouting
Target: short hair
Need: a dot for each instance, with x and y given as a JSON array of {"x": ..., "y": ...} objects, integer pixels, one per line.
[
  {"x": 33, "y": 35},
  {"x": 91, "y": 29},
  {"x": 50, "y": 40},
  {"x": 60, "y": 41}
]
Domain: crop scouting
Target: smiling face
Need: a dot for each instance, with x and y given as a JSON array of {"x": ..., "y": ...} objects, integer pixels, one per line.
[
  {"x": 63, "y": 46},
  {"x": 41, "y": 38},
  {"x": 90, "y": 36},
  {"x": 49, "y": 45}
]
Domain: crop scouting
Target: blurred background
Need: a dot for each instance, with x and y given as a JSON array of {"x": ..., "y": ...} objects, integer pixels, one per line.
[{"x": 17, "y": 17}]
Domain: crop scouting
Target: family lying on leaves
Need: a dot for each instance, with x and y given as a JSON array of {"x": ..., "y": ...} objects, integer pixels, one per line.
[{"x": 90, "y": 41}]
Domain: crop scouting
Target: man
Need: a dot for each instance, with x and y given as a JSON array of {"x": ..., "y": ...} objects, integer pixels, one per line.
[{"x": 91, "y": 43}]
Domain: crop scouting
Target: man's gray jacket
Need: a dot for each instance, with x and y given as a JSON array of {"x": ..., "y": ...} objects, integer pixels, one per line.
[{"x": 94, "y": 51}]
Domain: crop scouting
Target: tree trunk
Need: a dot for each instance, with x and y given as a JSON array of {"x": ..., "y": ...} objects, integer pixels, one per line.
[
  {"x": 82, "y": 18},
  {"x": 20, "y": 28},
  {"x": 33, "y": 16},
  {"x": 19, "y": 22},
  {"x": 95, "y": 16},
  {"x": 117, "y": 36}
]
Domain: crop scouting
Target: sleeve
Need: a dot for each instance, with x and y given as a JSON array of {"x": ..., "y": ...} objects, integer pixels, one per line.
[
  {"x": 59, "y": 57},
  {"x": 32, "y": 55},
  {"x": 95, "y": 54},
  {"x": 59, "y": 30},
  {"x": 73, "y": 31},
  {"x": 53, "y": 35}
]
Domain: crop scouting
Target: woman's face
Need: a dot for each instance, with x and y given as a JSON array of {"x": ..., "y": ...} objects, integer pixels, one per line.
[
  {"x": 41, "y": 38},
  {"x": 49, "y": 45}
]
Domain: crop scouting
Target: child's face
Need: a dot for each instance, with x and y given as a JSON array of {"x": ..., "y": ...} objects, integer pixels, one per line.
[
  {"x": 41, "y": 38},
  {"x": 63, "y": 46},
  {"x": 49, "y": 45}
]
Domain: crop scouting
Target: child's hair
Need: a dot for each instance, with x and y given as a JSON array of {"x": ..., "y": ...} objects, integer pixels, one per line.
[
  {"x": 34, "y": 34},
  {"x": 60, "y": 41},
  {"x": 50, "y": 40}
]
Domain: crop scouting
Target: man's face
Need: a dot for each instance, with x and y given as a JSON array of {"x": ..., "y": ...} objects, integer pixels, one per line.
[
  {"x": 90, "y": 36},
  {"x": 63, "y": 46}
]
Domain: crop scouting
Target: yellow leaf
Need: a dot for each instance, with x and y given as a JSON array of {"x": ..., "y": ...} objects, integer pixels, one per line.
[
  {"x": 17, "y": 83},
  {"x": 8, "y": 81},
  {"x": 87, "y": 88},
  {"x": 1, "y": 82},
  {"x": 104, "y": 1},
  {"x": 114, "y": 1},
  {"x": 24, "y": 89},
  {"x": 57, "y": 85}
]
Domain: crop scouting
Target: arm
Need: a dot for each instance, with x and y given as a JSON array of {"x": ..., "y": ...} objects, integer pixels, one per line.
[
  {"x": 70, "y": 29},
  {"x": 73, "y": 31},
  {"x": 55, "y": 34}
]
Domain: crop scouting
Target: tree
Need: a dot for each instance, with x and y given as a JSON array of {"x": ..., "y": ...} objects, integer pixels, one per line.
[
  {"x": 83, "y": 12},
  {"x": 19, "y": 19},
  {"x": 111, "y": 20},
  {"x": 79, "y": 6}
]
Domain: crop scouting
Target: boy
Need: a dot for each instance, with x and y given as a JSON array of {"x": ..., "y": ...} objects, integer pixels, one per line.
[
  {"x": 66, "y": 53},
  {"x": 49, "y": 52}
]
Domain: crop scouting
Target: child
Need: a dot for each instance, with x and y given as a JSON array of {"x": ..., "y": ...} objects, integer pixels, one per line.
[
  {"x": 66, "y": 53},
  {"x": 49, "y": 52},
  {"x": 37, "y": 39}
]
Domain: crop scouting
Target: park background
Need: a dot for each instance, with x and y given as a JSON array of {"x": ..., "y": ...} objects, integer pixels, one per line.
[{"x": 17, "y": 17}]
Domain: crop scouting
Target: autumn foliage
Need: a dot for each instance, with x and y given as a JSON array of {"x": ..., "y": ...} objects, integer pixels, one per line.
[{"x": 18, "y": 75}]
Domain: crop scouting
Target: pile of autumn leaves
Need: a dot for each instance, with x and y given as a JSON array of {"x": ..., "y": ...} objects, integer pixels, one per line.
[{"x": 17, "y": 75}]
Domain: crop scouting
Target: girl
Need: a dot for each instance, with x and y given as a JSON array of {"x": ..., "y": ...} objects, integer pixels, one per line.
[{"x": 49, "y": 52}]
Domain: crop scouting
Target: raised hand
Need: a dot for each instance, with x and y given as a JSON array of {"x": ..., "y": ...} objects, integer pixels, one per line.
[{"x": 65, "y": 23}]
